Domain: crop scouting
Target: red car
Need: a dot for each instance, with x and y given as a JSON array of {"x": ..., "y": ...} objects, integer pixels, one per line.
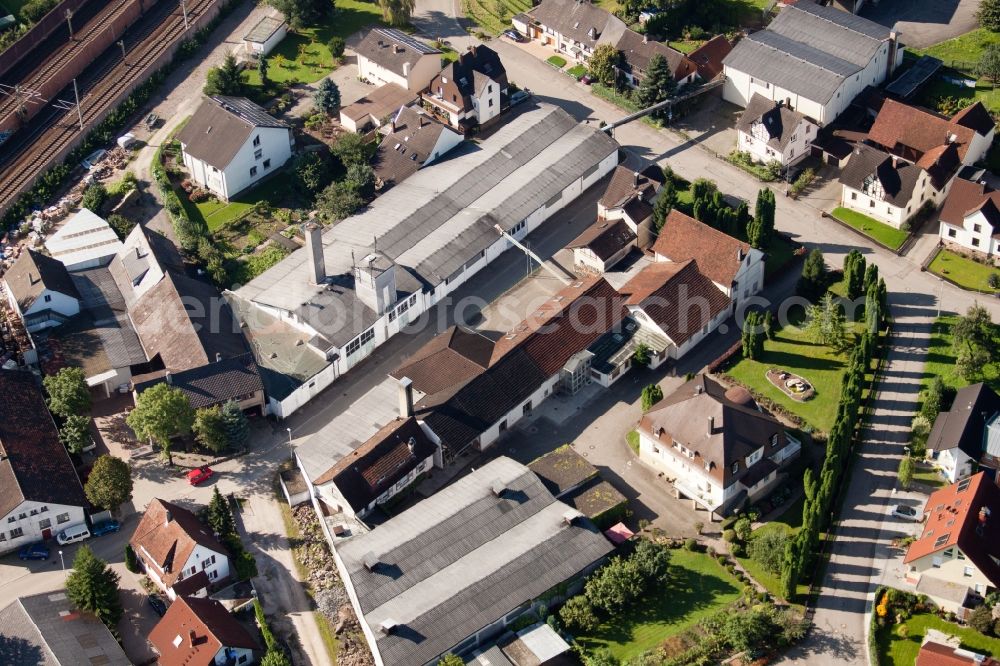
[{"x": 196, "y": 476}]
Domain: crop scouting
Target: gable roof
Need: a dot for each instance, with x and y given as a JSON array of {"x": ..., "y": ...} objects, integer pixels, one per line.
[
  {"x": 33, "y": 273},
  {"x": 936, "y": 654},
  {"x": 379, "y": 103},
  {"x": 964, "y": 198},
  {"x": 975, "y": 117},
  {"x": 48, "y": 630},
  {"x": 778, "y": 120},
  {"x": 638, "y": 51},
  {"x": 84, "y": 237},
  {"x": 605, "y": 238},
  {"x": 474, "y": 69},
  {"x": 965, "y": 514},
  {"x": 718, "y": 254},
  {"x": 562, "y": 470},
  {"x": 220, "y": 126},
  {"x": 910, "y": 132},
  {"x": 964, "y": 425},
  {"x": 204, "y": 627},
  {"x": 378, "y": 464},
  {"x": 576, "y": 20},
  {"x": 214, "y": 383},
  {"x": 627, "y": 184},
  {"x": 740, "y": 428},
  {"x": 709, "y": 56},
  {"x": 448, "y": 359},
  {"x": 403, "y": 151},
  {"x": 840, "y": 34},
  {"x": 898, "y": 178},
  {"x": 661, "y": 289},
  {"x": 168, "y": 533},
  {"x": 34, "y": 464},
  {"x": 392, "y": 49},
  {"x": 464, "y": 558}
]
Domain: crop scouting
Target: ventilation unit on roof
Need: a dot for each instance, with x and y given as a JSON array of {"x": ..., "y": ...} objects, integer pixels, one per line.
[
  {"x": 371, "y": 561},
  {"x": 498, "y": 487},
  {"x": 387, "y": 626}
]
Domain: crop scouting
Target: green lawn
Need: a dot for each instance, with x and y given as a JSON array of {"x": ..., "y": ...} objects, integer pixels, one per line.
[
  {"x": 788, "y": 522},
  {"x": 895, "y": 650},
  {"x": 686, "y": 45},
  {"x": 632, "y": 439},
  {"x": 963, "y": 52},
  {"x": 941, "y": 357},
  {"x": 577, "y": 71},
  {"x": 880, "y": 231},
  {"x": 938, "y": 88},
  {"x": 493, "y": 16},
  {"x": 793, "y": 350},
  {"x": 698, "y": 587},
  {"x": 966, "y": 273},
  {"x": 217, "y": 213},
  {"x": 928, "y": 476},
  {"x": 556, "y": 61}
]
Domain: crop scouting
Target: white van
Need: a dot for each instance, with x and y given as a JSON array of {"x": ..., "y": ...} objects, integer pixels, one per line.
[{"x": 73, "y": 533}]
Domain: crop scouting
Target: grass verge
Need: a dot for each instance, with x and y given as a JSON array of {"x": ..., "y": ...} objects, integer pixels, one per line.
[
  {"x": 883, "y": 233},
  {"x": 632, "y": 438}
]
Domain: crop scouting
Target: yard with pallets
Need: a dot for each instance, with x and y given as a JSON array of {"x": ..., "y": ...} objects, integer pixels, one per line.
[{"x": 493, "y": 16}]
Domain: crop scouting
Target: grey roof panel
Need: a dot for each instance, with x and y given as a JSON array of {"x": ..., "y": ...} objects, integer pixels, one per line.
[{"x": 837, "y": 33}]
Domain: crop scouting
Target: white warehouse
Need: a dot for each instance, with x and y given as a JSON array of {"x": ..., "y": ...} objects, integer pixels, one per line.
[{"x": 356, "y": 284}]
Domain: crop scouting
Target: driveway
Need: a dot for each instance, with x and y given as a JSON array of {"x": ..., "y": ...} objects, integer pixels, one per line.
[{"x": 925, "y": 22}]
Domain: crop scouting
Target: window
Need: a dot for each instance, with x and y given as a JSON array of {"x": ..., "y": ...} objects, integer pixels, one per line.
[
  {"x": 871, "y": 204},
  {"x": 62, "y": 518},
  {"x": 774, "y": 439},
  {"x": 34, "y": 512},
  {"x": 207, "y": 562},
  {"x": 975, "y": 242},
  {"x": 11, "y": 519},
  {"x": 526, "y": 409},
  {"x": 44, "y": 523},
  {"x": 736, "y": 467},
  {"x": 3, "y": 537},
  {"x": 354, "y": 345},
  {"x": 854, "y": 196},
  {"x": 489, "y": 89},
  {"x": 256, "y": 141},
  {"x": 257, "y": 154},
  {"x": 491, "y": 102},
  {"x": 795, "y": 137},
  {"x": 267, "y": 164},
  {"x": 43, "y": 509},
  {"x": 977, "y": 228},
  {"x": 253, "y": 171},
  {"x": 16, "y": 533},
  {"x": 951, "y": 233},
  {"x": 967, "y": 572},
  {"x": 48, "y": 298}
]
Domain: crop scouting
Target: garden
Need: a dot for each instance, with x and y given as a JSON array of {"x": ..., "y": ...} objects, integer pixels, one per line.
[
  {"x": 965, "y": 272},
  {"x": 675, "y": 603},
  {"x": 961, "y": 57},
  {"x": 761, "y": 551},
  {"x": 901, "y": 621},
  {"x": 881, "y": 232},
  {"x": 943, "y": 352},
  {"x": 493, "y": 16}
]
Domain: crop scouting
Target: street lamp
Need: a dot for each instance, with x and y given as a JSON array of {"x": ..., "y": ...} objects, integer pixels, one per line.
[
  {"x": 62, "y": 561},
  {"x": 291, "y": 450}
]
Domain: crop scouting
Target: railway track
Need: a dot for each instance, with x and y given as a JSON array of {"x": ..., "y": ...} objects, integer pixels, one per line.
[
  {"x": 56, "y": 129},
  {"x": 53, "y": 64}
]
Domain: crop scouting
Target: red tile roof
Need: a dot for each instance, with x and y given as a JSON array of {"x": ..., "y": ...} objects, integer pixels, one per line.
[
  {"x": 204, "y": 627},
  {"x": 719, "y": 255},
  {"x": 975, "y": 117},
  {"x": 708, "y": 57},
  {"x": 679, "y": 298},
  {"x": 964, "y": 197},
  {"x": 564, "y": 325},
  {"x": 910, "y": 132},
  {"x": 448, "y": 359},
  {"x": 169, "y": 534},
  {"x": 966, "y": 514},
  {"x": 935, "y": 654}
]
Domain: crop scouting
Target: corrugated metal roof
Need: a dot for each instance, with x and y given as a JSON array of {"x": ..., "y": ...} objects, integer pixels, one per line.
[
  {"x": 85, "y": 237},
  {"x": 838, "y": 33}
]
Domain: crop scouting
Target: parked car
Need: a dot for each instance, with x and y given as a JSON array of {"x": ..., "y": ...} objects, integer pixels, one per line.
[
  {"x": 105, "y": 527},
  {"x": 73, "y": 533},
  {"x": 156, "y": 603},
  {"x": 203, "y": 473},
  {"x": 514, "y": 35},
  {"x": 906, "y": 512},
  {"x": 519, "y": 96},
  {"x": 34, "y": 551}
]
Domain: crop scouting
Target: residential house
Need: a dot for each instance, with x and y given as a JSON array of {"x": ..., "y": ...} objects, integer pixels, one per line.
[
  {"x": 376, "y": 108},
  {"x": 920, "y": 136},
  {"x": 470, "y": 91},
  {"x": 327, "y": 306},
  {"x": 179, "y": 554},
  {"x": 380, "y": 468},
  {"x": 629, "y": 197},
  {"x": 817, "y": 59},
  {"x": 47, "y": 629},
  {"x": 264, "y": 36},
  {"x": 572, "y": 28},
  {"x": 509, "y": 543},
  {"x": 201, "y": 632},
  {"x": 774, "y": 132},
  {"x": 967, "y": 437},
  {"x": 40, "y": 492},
  {"x": 936, "y": 654},
  {"x": 709, "y": 56},
  {"x": 732, "y": 265},
  {"x": 414, "y": 140},
  {"x": 235, "y": 378},
  {"x": 230, "y": 143},
  {"x": 41, "y": 291},
  {"x": 84, "y": 241},
  {"x": 715, "y": 445},
  {"x": 960, "y": 542},
  {"x": 637, "y": 50},
  {"x": 970, "y": 218},
  {"x": 603, "y": 245},
  {"x": 387, "y": 55}
]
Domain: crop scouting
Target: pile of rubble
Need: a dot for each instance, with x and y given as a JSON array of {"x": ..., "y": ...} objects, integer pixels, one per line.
[{"x": 313, "y": 552}]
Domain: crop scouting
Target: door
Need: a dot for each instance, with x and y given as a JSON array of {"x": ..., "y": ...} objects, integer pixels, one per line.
[{"x": 46, "y": 534}]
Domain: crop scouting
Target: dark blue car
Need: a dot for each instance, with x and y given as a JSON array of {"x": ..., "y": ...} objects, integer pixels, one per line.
[
  {"x": 105, "y": 527},
  {"x": 34, "y": 551}
]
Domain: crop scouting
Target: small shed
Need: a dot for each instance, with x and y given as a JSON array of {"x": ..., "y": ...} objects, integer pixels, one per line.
[{"x": 264, "y": 36}]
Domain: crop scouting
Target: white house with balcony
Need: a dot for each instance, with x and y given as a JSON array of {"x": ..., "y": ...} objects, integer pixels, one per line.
[
  {"x": 230, "y": 144},
  {"x": 715, "y": 446}
]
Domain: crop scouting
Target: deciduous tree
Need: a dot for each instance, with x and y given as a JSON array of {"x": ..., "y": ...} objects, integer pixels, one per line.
[
  {"x": 578, "y": 613},
  {"x": 988, "y": 14},
  {"x": 110, "y": 483},
  {"x": 603, "y": 62},
  {"x": 303, "y": 13},
  {"x": 75, "y": 433},
  {"x": 651, "y": 395},
  {"x": 397, "y": 13},
  {"x": 68, "y": 392},
  {"x": 210, "y": 428},
  {"x": 338, "y": 201},
  {"x": 93, "y": 587},
  {"x": 161, "y": 412}
]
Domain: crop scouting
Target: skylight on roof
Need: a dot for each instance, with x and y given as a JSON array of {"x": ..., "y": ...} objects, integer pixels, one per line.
[
  {"x": 963, "y": 484},
  {"x": 941, "y": 540}
]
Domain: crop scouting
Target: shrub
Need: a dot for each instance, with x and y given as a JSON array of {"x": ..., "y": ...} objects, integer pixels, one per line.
[
  {"x": 131, "y": 561},
  {"x": 690, "y": 544},
  {"x": 94, "y": 197},
  {"x": 768, "y": 549},
  {"x": 578, "y": 613},
  {"x": 981, "y": 619},
  {"x": 729, "y": 536}
]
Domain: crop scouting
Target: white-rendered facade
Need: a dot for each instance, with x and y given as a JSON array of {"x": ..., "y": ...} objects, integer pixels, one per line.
[
  {"x": 263, "y": 153},
  {"x": 32, "y": 521}
]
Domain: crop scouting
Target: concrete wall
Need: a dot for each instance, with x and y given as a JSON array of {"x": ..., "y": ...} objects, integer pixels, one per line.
[{"x": 33, "y": 525}]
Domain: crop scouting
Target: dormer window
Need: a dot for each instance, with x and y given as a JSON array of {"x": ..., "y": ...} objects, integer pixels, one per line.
[
  {"x": 736, "y": 467},
  {"x": 774, "y": 439}
]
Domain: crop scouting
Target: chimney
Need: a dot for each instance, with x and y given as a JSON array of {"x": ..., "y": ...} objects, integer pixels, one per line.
[
  {"x": 890, "y": 62},
  {"x": 411, "y": 444},
  {"x": 498, "y": 487},
  {"x": 635, "y": 179},
  {"x": 711, "y": 425},
  {"x": 167, "y": 517},
  {"x": 406, "y": 69},
  {"x": 314, "y": 246},
  {"x": 370, "y": 561},
  {"x": 698, "y": 390},
  {"x": 167, "y": 376},
  {"x": 191, "y": 637},
  {"x": 218, "y": 357},
  {"x": 405, "y": 397},
  {"x": 392, "y": 126}
]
